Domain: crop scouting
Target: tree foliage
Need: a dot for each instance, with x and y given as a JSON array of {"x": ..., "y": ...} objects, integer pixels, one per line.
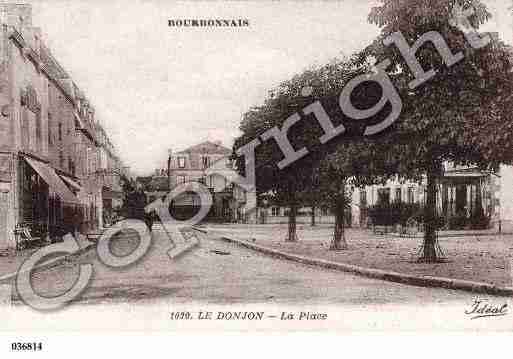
[
  {"x": 320, "y": 178},
  {"x": 463, "y": 113}
]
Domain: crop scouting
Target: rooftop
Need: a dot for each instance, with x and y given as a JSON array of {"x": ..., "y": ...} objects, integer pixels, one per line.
[{"x": 208, "y": 147}]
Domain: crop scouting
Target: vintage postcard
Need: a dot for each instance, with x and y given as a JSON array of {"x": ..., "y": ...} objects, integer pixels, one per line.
[{"x": 329, "y": 166}]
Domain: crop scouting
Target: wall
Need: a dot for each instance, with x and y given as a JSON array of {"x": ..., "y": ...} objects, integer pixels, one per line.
[
  {"x": 6, "y": 145},
  {"x": 61, "y": 112},
  {"x": 18, "y": 72},
  {"x": 24, "y": 74},
  {"x": 506, "y": 197}
]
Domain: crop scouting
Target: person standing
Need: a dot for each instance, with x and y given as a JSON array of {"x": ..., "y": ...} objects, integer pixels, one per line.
[{"x": 149, "y": 218}]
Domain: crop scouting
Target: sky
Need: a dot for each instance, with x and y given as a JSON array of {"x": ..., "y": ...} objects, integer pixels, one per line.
[{"x": 156, "y": 87}]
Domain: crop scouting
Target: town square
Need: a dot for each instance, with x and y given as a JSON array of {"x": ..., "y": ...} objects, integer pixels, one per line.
[{"x": 231, "y": 169}]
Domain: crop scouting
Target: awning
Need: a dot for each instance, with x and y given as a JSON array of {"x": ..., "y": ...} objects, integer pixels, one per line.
[
  {"x": 71, "y": 183},
  {"x": 54, "y": 182}
]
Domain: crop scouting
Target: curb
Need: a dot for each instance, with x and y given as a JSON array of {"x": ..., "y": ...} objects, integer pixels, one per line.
[
  {"x": 51, "y": 263},
  {"x": 419, "y": 281},
  {"x": 395, "y": 234}
]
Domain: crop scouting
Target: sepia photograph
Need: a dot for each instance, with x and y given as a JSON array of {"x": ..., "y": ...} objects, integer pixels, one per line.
[{"x": 339, "y": 166}]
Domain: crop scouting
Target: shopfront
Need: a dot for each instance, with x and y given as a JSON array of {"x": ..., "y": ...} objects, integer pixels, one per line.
[{"x": 47, "y": 206}]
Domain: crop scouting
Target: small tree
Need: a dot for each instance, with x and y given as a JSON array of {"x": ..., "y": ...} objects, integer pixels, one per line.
[
  {"x": 134, "y": 200},
  {"x": 355, "y": 163},
  {"x": 288, "y": 185},
  {"x": 313, "y": 197}
]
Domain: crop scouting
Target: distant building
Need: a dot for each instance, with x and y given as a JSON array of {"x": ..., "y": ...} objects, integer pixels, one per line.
[
  {"x": 461, "y": 192},
  {"x": 231, "y": 203}
]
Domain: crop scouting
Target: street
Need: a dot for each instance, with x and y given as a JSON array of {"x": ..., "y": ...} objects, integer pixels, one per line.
[
  {"x": 221, "y": 273},
  {"x": 219, "y": 277}
]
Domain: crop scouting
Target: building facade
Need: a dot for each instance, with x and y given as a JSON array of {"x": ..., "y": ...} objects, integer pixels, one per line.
[
  {"x": 231, "y": 203},
  {"x": 462, "y": 192},
  {"x": 51, "y": 145}
]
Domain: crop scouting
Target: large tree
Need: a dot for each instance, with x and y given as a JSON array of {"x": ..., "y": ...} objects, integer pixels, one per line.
[
  {"x": 295, "y": 184},
  {"x": 454, "y": 114},
  {"x": 316, "y": 179}
]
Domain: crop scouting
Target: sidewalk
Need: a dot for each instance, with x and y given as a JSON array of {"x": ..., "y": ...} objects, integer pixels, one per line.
[
  {"x": 478, "y": 258},
  {"x": 11, "y": 260}
]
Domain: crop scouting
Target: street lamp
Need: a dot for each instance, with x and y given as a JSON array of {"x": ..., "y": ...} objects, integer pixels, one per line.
[{"x": 169, "y": 154}]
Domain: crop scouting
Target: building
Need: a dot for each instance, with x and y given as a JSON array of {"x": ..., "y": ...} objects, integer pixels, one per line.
[
  {"x": 461, "y": 193},
  {"x": 54, "y": 155},
  {"x": 109, "y": 173},
  {"x": 231, "y": 203}
]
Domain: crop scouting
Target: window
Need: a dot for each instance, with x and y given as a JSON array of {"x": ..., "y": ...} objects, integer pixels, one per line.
[
  {"x": 39, "y": 139},
  {"x": 205, "y": 161},
  {"x": 384, "y": 195},
  {"x": 50, "y": 129},
  {"x": 25, "y": 129},
  {"x": 71, "y": 166},
  {"x": 180, "y": 179},
  {"x": 181, "y": 162},
  {"x": 60, "y": 131},
  {"x": 411, "y": 197},
  {"x": 398, "y": 194},
  {"x": 61, "y": 159},
  {"x": 88, "y": 161},
  {"x": 210, "y": 181},
  {"x": 275, "y": 211},
  {"x": 363, "y": 198}
]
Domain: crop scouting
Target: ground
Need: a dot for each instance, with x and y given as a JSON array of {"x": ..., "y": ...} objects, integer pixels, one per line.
[
  {"x": 481, "y": 258},
  {"x": 221, "y": 273},
  {"x": 220, "y": 277}
]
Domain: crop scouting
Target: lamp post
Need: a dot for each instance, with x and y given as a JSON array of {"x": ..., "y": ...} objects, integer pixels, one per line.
[
  {"x": 169, "y": 154},
  {"x": 265, "y": 203}
]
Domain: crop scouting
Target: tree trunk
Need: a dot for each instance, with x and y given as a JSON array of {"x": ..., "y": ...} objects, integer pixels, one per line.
[
  {"x": 313, "y": 216},
  {"x": 339, "y": 238},
  {"x": 292, "y": 235},
  {"x": 429, "y": 254}
]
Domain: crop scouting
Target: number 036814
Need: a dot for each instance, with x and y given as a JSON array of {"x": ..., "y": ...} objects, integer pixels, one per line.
[{"x": 26, "y": 346}]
